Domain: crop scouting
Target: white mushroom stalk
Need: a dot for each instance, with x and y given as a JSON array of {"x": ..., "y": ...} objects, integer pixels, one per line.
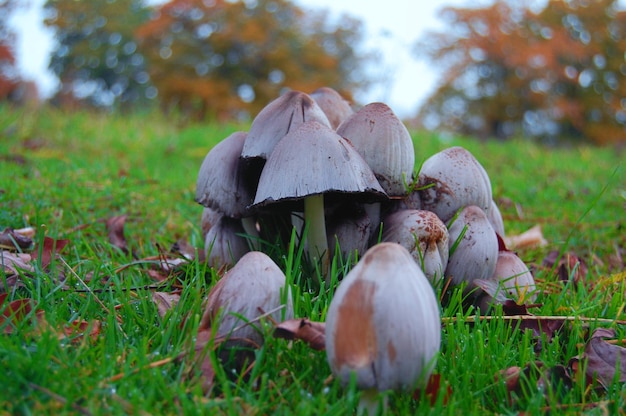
[{"x": 383, "y": 326}]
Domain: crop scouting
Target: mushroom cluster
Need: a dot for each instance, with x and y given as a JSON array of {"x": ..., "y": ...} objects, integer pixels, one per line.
[
  {"x": 313, "y": 168},
  {"x": 344, "y": 179}
]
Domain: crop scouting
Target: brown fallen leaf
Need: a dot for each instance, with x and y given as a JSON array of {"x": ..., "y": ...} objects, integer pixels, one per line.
[
  {"x": 77, "y": 329},
  {"x": 603, "y": 358},
  {"x": 544, "y": 325},
  {"x": 535, "y": 376},
  {"x": 528, "y": 239},
  {"x": 432, "y": 389},
  {"x": 14, "y": 313},
  {"x": 165, "y": 301},
  {"x": 13, "y": 239},
  {"x": 311, "y": 332},
  {"x": 569, "y": 267},
  {"x": 13, "y": 263},
  {"x": 50, "y": 249},
  {"x": 115, "y": 230}
]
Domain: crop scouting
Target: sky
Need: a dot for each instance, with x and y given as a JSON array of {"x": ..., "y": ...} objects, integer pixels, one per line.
[{"x": 393, "y": 27}]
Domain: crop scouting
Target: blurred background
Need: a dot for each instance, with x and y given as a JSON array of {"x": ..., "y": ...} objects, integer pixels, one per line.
[{"x": 547, "y": 70}]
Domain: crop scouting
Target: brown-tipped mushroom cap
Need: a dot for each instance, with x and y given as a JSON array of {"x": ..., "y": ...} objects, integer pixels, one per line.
[
  {"x": 278, "y": 118},
  {"x": 385, "y": 144},
  {"x": 221, "y": 184},
  {"x": 336, "y": 108},
  {"x": 313, "y": 160}
]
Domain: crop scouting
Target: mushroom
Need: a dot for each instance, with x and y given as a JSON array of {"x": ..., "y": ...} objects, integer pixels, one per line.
[
  {"x": 425, "y": 237},
  {"x": 308, "y": 163},
  {"x": 336, "y": 108},
  {"x": 225, "y": 243},
  {"x": 278, "y": 118},
  {"x": 473, "y": 247},
  {"x": 386, "y": 145},
  {"x": 254, "y": 286},
  {"x": 383, "y": 327},
  {"x": 221, "y": 182},
  {"x": 495, "y": 218},
  {"x": 453, "y": 179},
  {"x": 511, "y": 280}
]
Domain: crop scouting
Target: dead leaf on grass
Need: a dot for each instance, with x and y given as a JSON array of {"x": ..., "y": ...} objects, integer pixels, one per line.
[
  {"x": 603, "y": 358},
  {"x": 544, "y": 325},
  {"x": 50, "y": 249},
  {"x": 432, "y": 390},
  {"x": 165, "y": 301},
  {"x": 14, "y": 239},
  {"x": 77, "y": 330},
  {"x": 535, "y": 377},
  {"x": 569, "y": 266},
  {"x": 312, "y": 333},
  {"x": 115, "y": 230}
]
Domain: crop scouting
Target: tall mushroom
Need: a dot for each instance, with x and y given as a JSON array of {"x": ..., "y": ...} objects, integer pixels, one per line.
[
  {"x": 383, "y": 327},
  {"x": 336, "y": 108},
  {"x": 386, "y": 145},
  {"x": 308, "y": 163}
]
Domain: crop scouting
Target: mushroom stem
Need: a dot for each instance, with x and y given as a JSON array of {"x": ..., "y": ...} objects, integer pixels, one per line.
[
  {"x": 316, "y": 237},
  {"x": 249, "y": 226},
  {"x": 369, "y": 402},
  {"x": 373, "y": 212}
]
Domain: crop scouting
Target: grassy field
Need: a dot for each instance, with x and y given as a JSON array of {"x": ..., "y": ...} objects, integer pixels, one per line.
[{"x": 66, "y": 174}]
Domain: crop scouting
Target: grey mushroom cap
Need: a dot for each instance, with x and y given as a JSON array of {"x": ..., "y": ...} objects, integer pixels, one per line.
[
  {"x": 311, "y": 160},
  {"x": 221, "y": 183},
  {"x": 336, "y": 108},
  {"x": 385, "y": 144},
  {"x": 278, "y": 118},
  {"x": 452, "y": 179}
]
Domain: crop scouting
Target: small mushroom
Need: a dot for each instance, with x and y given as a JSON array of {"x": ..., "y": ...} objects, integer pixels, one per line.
[
  {"x": 425, "y": 237},
  {"x": 225, "y": 243},
  {"x": 451, "y": 180},
  {"x": 336, "y": 108},
  {"x": 383, "y": 327},
  {"x": 473, "y": 247},
  {"x": 254, "y": 286},
  {"x": 495, "y": 218},
  {"x": 222, "y": 185},
  {"x": 511, "y": 280},
  {"x": 308, "y": 163}
]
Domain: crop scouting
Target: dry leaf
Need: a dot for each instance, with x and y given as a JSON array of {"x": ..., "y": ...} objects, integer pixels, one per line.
[
  {"x": 165, "y": 301},
  {"x": 432, "y": 389},
  {"x": 12, "y": 263},
  {"x": 569, "y": 266},
  {"x": 115, "y": 230},
  {"x": 79, "y": 328},
  {"x": 313, "y": 333},
  {"x": 50, "y": 249},
  {"x": 603, "y": 358},
  {"x": 528, "y": 239},
  {"x": 14, "y": 239},
  {"x": 538, "y": 326}
]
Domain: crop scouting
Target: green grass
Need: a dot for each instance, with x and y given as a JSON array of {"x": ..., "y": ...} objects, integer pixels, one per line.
[{"x": 65, "y": 173}]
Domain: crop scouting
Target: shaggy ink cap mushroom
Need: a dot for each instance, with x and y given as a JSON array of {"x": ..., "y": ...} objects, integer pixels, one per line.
[
  {"x": 336, "y": 108},
  {"x": 278, "y": 118},
  {"x": 306, "y": 165}
]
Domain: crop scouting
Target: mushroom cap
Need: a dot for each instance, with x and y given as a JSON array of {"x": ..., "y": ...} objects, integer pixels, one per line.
[
  {"x": 278, "y": 118},
  {"x": 476, "y": 251},
  {"x": 336, "y": 108},
  {"x": 221, "y": 183},
  {"x": 253, "y": 285},
  {"x": 313, "y": 160},
  {"x": 385, "y": 144},
  {"x": 424, "y": 235},
  {"x": 383, "y": 324},
  {"x": 224, "y": 243},
  {"x": 452, "y": 179}
]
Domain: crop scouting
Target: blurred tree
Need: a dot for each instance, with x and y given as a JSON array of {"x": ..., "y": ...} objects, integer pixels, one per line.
[
  {"x": 507, "y": 70},
  {"x": 230, "y": 58},
  {"x": 9, "y": 77},
  {"x": 96, "y": 58}
]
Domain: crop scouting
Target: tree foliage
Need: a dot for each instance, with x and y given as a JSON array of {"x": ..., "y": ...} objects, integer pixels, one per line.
[
  {"x": 97, "y": 58},
  {"x": 9, "y": 79},
  {"x": 509, "y": 70},
  {"x": 228, "y": 58}
]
